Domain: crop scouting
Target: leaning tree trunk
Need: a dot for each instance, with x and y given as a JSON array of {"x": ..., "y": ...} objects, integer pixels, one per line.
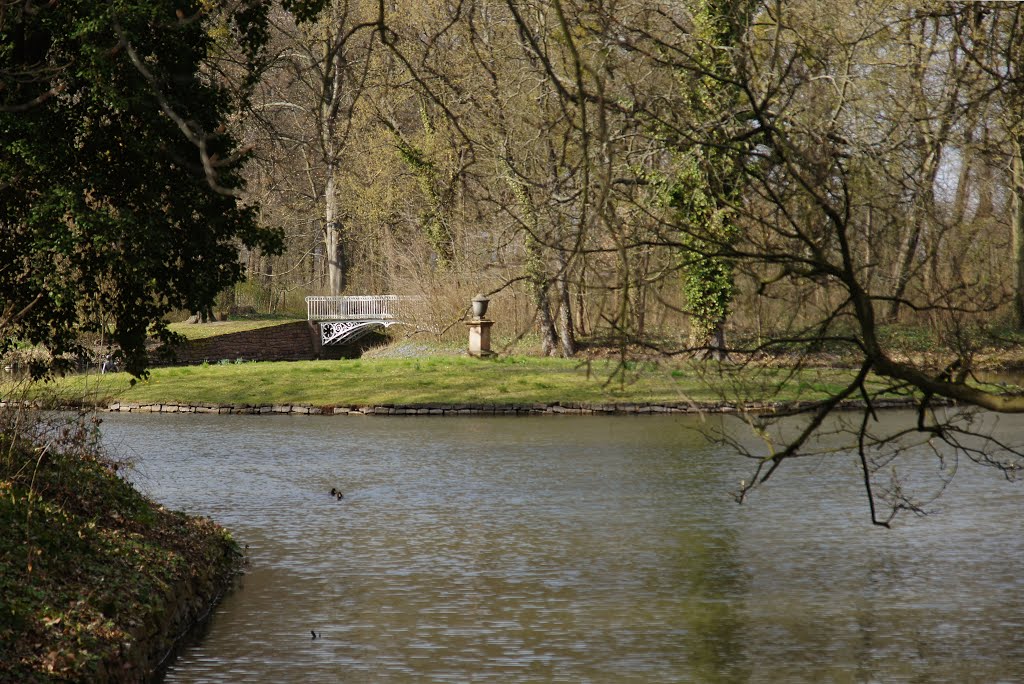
[
  {"x": 931, "y": 142},
  {"x": 911, "y": 241},
  {"x": 539, "y": 289},
  {"x": 901, "y": 274}
]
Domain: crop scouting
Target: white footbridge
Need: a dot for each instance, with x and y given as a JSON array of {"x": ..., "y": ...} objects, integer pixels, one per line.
[{"x": 346, "y": 319}]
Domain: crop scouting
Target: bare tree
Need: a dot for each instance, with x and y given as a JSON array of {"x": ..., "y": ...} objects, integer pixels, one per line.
[
  {"x": 303, "y": 123},
  {"x": 815, "y": 108}
]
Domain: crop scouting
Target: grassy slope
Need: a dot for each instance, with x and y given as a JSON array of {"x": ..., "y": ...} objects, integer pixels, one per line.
[{"x": 439, "y": 380}]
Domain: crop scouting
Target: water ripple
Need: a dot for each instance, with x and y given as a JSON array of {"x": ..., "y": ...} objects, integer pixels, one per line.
[{"x": 575, "y": 550}]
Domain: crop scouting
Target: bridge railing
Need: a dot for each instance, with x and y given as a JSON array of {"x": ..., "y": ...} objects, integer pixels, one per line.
[{"x": 357, "y": 307}]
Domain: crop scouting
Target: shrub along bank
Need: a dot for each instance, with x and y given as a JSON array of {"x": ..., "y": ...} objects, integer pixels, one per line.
[{"x": 97, "y": 583}]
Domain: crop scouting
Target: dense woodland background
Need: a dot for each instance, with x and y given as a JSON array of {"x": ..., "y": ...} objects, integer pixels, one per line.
[
  {"x": 691, "y": 175},
  {"x": 662, "y": 171}
]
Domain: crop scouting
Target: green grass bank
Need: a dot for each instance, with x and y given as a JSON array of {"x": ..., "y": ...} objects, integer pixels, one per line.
[
  {"x": 450, "y": 380},
  {"x": 97, "y": 583}
]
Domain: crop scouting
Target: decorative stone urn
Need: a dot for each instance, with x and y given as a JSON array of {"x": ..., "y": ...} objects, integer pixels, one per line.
[{"x": 480, "y": 306}]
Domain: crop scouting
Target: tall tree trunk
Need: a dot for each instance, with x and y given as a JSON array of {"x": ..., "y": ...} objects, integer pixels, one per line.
[
  {"x": 580, "y": 308},
  {"x": 1018, "y": 230},
  {"x": 252, "y": 265},
  {"x": 330, "y": 108},
  {"x": 536, "y": 272},
  {"x": 566, "y": 334},
  {"x": 904, "y": 266},
  {"x": 712, "y": 344},
  {"x": 640, "y": 294},
  {"x": 717, "y": 343},
  {"x": 869, "y": 265},
  {"x": 332, "y": 237}
]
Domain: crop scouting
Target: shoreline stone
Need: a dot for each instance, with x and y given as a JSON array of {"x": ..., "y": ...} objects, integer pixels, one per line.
[{"x": 534, "y": 409}]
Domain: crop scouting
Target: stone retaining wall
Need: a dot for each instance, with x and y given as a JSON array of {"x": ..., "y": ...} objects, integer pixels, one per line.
[
  {"x": 287, "y": 342},
  {"x": 560, "y": 408},
  {"x": 293, "y": 341}
]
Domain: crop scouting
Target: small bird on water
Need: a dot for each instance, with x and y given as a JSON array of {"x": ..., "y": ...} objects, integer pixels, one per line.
[
  {"x": 337, "y": 493},
  {"x": 315, "y": 635}
]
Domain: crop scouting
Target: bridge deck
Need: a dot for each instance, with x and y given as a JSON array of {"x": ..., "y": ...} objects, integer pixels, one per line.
[
  {"x": 347, "y": 308},
  {"x": 345, "y": 319}
]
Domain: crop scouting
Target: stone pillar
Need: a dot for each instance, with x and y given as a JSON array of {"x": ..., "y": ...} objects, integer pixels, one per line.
[{"x": 480, "y": 337}]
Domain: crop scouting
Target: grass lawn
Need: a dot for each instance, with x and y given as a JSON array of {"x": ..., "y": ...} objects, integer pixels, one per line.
[
  {"x": 444, "y": 380},
  {"x": 198, "y": 331}
]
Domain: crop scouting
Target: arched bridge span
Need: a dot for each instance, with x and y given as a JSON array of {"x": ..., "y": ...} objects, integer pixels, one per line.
[{"x": 347, "y": 318}]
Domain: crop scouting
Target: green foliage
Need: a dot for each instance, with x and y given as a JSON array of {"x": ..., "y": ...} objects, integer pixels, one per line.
[
  {"x": 907, "y": 339},
  {"x": 118, "y": 178},
  {"x": 706, "y": 233},
  {"x": 707, "y": 180},
  {"x": 304, "y": 10},
  {"x": 534, "y": 267},
  {"x": 433, "y": 218}
]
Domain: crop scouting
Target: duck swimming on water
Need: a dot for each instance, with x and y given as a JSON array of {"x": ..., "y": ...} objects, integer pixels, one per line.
[{"x": 337, "y": 493}]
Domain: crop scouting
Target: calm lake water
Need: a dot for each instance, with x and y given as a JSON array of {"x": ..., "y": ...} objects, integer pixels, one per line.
[{"x": 575, "y": 549}]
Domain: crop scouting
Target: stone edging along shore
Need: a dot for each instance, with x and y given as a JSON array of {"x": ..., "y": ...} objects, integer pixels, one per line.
[{"x": 531, "y": 409}]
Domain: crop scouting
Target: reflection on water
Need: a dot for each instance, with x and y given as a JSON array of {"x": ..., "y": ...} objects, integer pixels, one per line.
[{"x": 573, "y": 549}]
